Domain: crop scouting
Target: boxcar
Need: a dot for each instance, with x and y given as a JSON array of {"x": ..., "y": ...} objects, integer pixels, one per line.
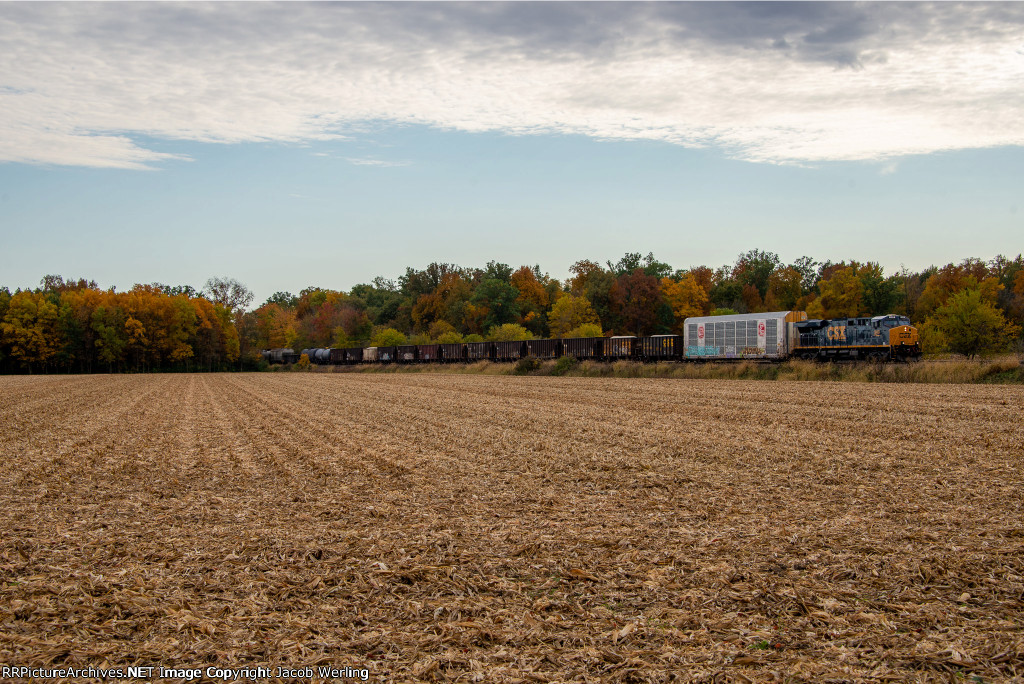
[
  {"x": 406, "y": 353},
  {"x": 386, "y": 354}
]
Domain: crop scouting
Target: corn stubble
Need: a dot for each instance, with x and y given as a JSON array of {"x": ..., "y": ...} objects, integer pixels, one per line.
[{"x": 480, "y": 528}]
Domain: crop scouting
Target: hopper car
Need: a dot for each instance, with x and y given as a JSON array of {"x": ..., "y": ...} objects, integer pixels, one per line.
[{"x": 771, "y": 336}]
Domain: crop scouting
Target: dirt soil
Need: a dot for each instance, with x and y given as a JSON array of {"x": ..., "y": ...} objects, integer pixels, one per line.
[{"x": 505, "y": 529}]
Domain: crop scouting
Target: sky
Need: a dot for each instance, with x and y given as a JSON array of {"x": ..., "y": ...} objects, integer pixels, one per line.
[{"x": 290, "y": 145}]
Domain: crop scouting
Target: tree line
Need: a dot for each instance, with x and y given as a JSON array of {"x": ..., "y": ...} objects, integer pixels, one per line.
[{"x": 973, "y": 307}]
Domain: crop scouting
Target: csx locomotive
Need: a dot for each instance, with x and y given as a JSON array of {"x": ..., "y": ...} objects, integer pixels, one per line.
[{"x": 773, "y": 336}]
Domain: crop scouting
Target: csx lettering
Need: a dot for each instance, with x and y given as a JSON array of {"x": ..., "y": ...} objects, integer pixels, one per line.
[{"x": 836, "y": 334}]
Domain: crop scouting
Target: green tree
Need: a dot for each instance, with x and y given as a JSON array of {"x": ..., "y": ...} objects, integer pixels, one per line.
[
  {"x": 881, "y": 295},
  {"x": 754, "y": 269},
  {"x": 499, "y": 298},
  {"x": 971, "y": 326},
  {"x": 629, "y": 262},
  {"x": 109, "y": 324},
  {"x": 726, "y": 292},
  {"x": 808, "y": 270},
  {"x": 497, "y": 271},
  {"x": 285, "y": 300},
  {"x": 381, "y": 300}
]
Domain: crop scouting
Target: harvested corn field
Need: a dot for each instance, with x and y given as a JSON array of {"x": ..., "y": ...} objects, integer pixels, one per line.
[{"x": 504, "y": 529}]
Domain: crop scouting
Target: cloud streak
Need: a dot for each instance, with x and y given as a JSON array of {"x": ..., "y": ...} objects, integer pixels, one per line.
[{"x": 767, "y": 82}]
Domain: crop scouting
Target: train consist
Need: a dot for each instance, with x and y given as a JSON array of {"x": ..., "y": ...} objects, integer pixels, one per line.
[{"x": 774, "y": 336}]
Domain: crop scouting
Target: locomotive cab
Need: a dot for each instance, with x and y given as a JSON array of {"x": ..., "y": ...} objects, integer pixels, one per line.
[{"x": 890, "y": 321}]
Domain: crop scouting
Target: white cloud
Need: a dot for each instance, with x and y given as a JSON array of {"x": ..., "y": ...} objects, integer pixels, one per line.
[
  {"x": 84, "y": 84},
  {"x": 376, "y": 162}
]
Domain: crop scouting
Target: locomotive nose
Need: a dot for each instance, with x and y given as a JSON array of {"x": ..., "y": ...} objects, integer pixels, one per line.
[{"x": 905, "y": 341}]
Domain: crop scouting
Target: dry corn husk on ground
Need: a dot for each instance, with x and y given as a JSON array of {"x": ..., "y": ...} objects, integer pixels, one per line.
[{"x": 504, "y": 529}]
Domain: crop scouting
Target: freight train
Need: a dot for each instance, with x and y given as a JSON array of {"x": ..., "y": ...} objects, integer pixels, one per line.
[{"x": 774, "y": 336}]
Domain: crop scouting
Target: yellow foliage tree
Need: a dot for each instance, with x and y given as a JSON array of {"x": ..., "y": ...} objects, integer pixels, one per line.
[
  {"x": 570, "y": 311},
  {"x": 685, "y": 297},
  {"x": 29, "y": 327},
  {"x": 784, "y": 289},
  {"x": 509, "y": 332},
  {"x": 585, "y": 330},
  {"x": 841, "y": 296}
]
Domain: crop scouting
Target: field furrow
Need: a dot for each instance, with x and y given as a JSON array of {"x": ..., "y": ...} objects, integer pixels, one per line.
[{"x": 511, "y": 529}]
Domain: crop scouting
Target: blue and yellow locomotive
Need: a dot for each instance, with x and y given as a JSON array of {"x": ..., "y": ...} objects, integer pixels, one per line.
[{"x": 882, "y": 338}]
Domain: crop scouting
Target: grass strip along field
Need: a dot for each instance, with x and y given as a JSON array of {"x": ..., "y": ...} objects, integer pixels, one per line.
[{"x": 514, "y": 529}]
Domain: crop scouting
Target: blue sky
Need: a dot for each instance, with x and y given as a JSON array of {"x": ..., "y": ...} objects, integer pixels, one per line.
[{"x": 294, "y": 145}]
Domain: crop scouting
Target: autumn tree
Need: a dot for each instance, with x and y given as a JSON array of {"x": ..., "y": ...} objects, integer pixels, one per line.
[
  {"x": 570, "y": 311},
  {"x": 972, "y": 326},
  {"x": 440, "y": 328},
  {"x": 585, "y": 330},
  {"x": 841, "y": 295},
  {"x": 533, "y": 298},
  {"x": 636, "y": 300},
  {"x": 704, "y": 277},
  {"x": 509, "y": 332},
  {"x": 785, "y": 287},
  {"x": 582, "y": 271},
  {"x": 595, "y": 284},
  {"x": 29, "y": 328},
  {"x": 387, "y": 337},
  {"x": 952, "y": 279},
  {"x": 685, "y": 297}
]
